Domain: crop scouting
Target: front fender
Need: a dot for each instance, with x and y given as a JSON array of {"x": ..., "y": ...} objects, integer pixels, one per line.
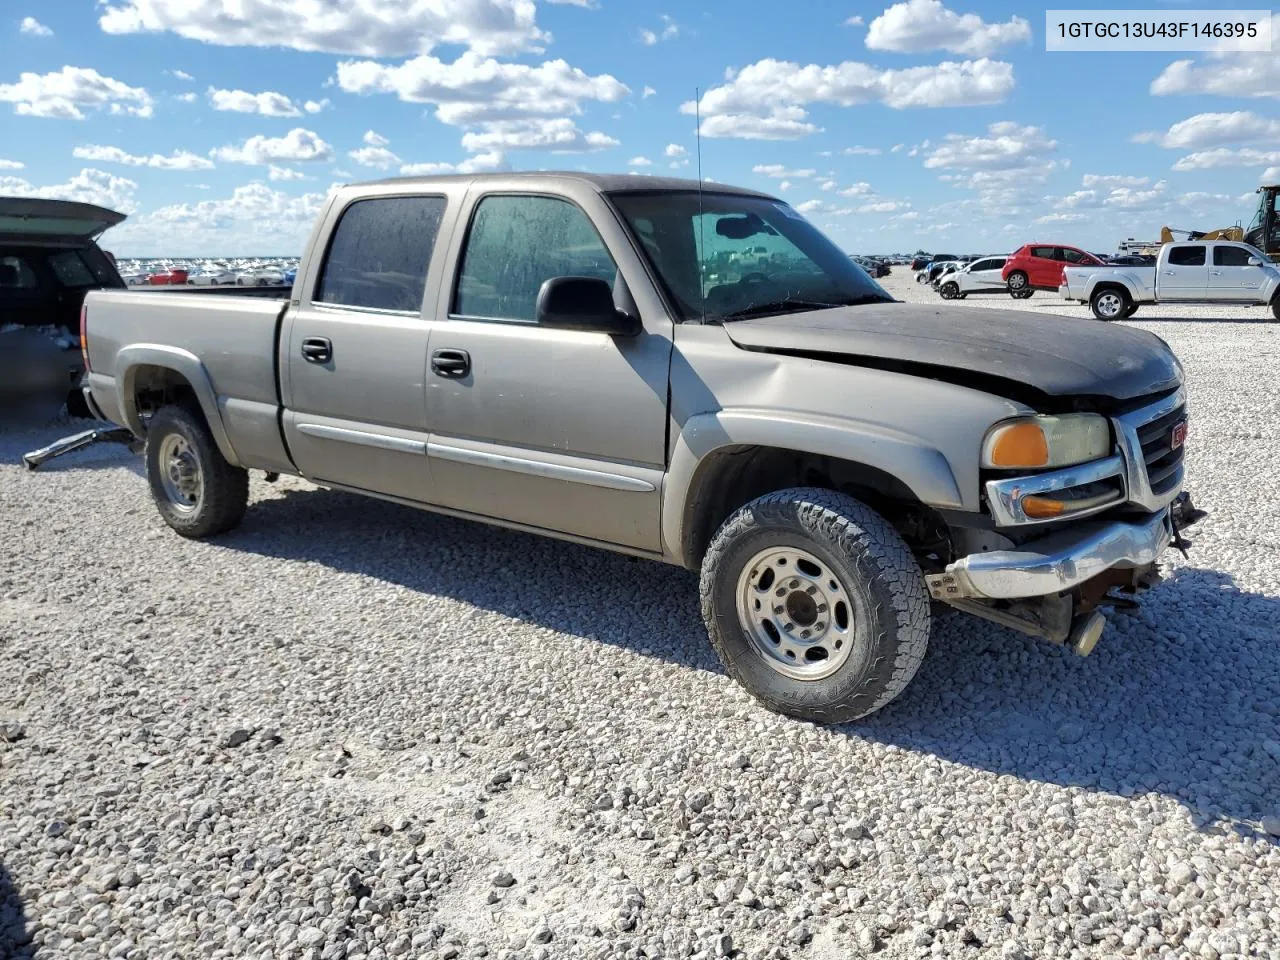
[
  {"x": 913, "y": 461},
  {"x": 130, "y": 361}
]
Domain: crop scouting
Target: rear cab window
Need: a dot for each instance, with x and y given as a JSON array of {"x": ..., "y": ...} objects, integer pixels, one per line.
[
  {"x": 1187, "y": 256},
  {"x": 379, "y": 254}
]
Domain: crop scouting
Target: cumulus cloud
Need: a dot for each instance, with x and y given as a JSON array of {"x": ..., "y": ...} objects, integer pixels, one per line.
[
  {"x": 374, "y": 153},
  {"x": 178, "y": 160},
  {"x": 778, "y": 172},
  {"x": 268, "y": 103},
  {"x": 504, "y": 106},
  {"x": 669, "y": 31},
  {"x": 315, "y": 106},
  {"x": 860, "y": 189},
  {"x": 284, "y": 173},
  {"x": 1226, "y": 157},
  {"x": 68, "y": 92},
  {"x": 480, "y": 163},
  {"x": 372, "y": 138},
  {"x": 11, "y": 164},
  {"x": 861, "y": 151},
  {"x": 370, "y": 28},
  {"x": 647, "y": 93},
  {"x": 639, "y": 162},
  {"x": 34, "y": 28},
  {"x": 255, "y": 219},
  {"x": 297, "y": 145},
  {"x": 1109, "y": 182},
  {"x": 1009, "y": 152},
  {"x": 1214, "y": 129},
  {"x": 87, "y": 186},
  {"x": 767, "y": 100},
  {"x": 1226, "y": 74},
  {"x": 917, "y": 26},
  {"x": 675, "y": 151},
  {"x": 180, "y": 75}
]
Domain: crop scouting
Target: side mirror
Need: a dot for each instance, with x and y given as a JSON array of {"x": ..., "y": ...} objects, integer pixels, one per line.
[
  {"x": 1255, "y": 262},
  {"x": 583, "y": 303}
]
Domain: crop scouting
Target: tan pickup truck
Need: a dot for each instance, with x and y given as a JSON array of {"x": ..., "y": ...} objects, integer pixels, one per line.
[{"x": 693, "y": 375}]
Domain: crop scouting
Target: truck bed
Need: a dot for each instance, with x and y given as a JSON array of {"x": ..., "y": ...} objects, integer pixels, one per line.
[{"x": 225, "y": 346}]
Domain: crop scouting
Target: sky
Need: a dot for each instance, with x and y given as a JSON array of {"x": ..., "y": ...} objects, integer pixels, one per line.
[{"x": 220, "y": 125}]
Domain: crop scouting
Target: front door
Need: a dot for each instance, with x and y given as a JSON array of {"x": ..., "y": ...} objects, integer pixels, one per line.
[
  {"x": 985, "y": 275},
  {"x": 558, "y": 429},
  {"x": 1184, "y": 275},
  {"x": 1232, "y": 277},
  {"x": 355, "y": 352}
]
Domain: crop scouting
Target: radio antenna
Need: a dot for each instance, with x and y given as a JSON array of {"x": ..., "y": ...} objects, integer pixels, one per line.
[{"x": 702, "y": 225}]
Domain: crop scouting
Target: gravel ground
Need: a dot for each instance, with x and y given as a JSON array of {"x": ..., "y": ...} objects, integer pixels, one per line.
[{"x": 354, "y": 730}]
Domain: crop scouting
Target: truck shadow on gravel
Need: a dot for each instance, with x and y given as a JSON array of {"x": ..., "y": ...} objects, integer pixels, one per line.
[
  {"x": 1181, "y": 698},
  {"x": 14, "y": 938}
]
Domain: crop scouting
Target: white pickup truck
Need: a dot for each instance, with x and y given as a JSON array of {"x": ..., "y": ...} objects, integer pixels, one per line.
[{"x": 1201, "y": 271}]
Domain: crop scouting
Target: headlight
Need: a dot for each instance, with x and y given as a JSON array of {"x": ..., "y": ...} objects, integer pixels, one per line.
[{"x": 1036, "y": 442}]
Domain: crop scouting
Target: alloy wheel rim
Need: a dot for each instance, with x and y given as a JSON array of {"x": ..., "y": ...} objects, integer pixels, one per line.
[
  {"x": 796, "y": 612},
  {"x": 180, "y": 474},
  {"x": 1109, "y": 305}
]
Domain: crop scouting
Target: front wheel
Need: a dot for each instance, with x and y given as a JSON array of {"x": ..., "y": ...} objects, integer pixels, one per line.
[
  {"x": 950, "y": 290},
  {"x": 1110, "y": 304},
  {"x": 815, "y": 605},
  {"x": 198, "y": 493},
  {"x": 1275, "y": 307}
]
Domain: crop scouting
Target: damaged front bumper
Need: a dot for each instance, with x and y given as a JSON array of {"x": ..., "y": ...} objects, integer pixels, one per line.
[
  {"x": 1052, "y": 587},
  {"x": 1055, "y": 563}
]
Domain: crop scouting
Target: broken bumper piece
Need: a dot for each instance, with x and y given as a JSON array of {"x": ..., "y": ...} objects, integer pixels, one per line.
[{"x": 1057, "y": 562}]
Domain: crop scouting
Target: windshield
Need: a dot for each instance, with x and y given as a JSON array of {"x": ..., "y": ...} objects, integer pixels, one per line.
[{"x": 728, "y": 257}]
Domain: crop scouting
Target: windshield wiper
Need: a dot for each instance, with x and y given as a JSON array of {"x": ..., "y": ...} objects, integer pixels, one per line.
[{"x": 795, "y": 304}]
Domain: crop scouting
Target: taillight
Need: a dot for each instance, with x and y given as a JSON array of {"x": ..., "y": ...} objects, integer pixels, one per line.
[{"x": 84, "y": 340}]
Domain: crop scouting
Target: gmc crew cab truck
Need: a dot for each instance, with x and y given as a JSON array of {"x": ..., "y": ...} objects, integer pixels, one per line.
[
  {"x": 575, "y": 355},
  {"x": 1202, "y": 271}
]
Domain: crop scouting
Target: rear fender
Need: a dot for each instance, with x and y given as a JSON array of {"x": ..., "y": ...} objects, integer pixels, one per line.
[{"x": 132, "y": 359}]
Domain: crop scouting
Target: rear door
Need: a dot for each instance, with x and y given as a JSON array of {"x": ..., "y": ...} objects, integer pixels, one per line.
[
  {"x": 1231, "y": 277},
  {"x": 1043, "y": 267},
  {"x": 985, "y": 275},
  {"x": 354, "y": 353},
  {"x": 1184, "y": 273}
]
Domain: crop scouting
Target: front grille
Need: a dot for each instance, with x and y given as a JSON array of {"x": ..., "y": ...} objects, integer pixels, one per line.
[{"x": 1158, "y": 452}]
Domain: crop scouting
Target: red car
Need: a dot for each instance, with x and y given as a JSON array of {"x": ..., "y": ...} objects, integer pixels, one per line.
[
  {"x": 168, "y": 278},
  {"x": 1038, "y": 266}
]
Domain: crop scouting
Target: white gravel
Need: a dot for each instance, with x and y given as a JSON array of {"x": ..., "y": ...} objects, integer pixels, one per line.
[{"x": 354, "y": 730}]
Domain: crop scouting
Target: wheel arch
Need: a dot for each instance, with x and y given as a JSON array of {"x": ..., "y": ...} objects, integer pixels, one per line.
[
  {"x": 720, "y": 464},
  {"x": 151, "y": 373}
]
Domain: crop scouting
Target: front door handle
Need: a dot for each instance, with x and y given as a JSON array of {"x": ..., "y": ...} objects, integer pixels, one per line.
[
  {"x": 317, "y": 349},
  {"x": 451, "y": 364},
  {"x": 1215, "y": 273}
]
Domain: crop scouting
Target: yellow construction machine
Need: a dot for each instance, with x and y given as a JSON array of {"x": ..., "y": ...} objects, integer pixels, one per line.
[{"x": 1263, "y": 232}]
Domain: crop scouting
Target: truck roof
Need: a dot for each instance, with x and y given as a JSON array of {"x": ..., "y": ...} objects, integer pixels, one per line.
[{"x": 604, "y": 182}]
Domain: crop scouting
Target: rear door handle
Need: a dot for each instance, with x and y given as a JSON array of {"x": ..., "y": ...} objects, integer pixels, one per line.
[
  {"x": 1215, "y": 273},
  {"x": 317, "y": 349},
  {"x": 451, "y": 364}
]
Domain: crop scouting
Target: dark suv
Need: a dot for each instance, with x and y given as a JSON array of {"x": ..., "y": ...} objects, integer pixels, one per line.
[{"x": 49, "y": 260}]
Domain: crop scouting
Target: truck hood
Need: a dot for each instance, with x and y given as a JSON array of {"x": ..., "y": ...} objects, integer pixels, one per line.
[
  {"x": 1056, "y": 363},
  {"x": 34, "y": 221}
]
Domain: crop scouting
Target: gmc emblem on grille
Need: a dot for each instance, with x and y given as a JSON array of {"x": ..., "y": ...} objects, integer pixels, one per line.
[{"x": 1179, "y": 435}]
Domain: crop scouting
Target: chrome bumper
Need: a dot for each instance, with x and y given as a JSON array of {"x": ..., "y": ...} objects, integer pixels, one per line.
[{"x": 1054, "y": 563}]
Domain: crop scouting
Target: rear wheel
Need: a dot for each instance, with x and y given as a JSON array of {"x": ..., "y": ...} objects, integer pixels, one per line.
[
  {"x": 1275, "y": 306},
  {"x": 1019, "y": 285},
  {"x": 1110, "y": 303},
  {"x": 815, "y": 605},
  {"x": 198, "y": 493}
]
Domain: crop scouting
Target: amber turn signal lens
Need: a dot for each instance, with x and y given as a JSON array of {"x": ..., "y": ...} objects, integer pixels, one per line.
[
  {"x": 1019, "y": 445},
  {"x": 1043, "y": 507}
]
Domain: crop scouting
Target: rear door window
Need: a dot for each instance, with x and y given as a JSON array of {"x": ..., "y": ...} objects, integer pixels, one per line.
[
  {"x": 1186, "y": 257},
  {"x": 379, "y": 254},
  {"x": 1230, "y": 257},
  {"x": 1044, "y": 253},
  {"x": 1072, "y": 256},
  {"x": 16, "y": 274}
]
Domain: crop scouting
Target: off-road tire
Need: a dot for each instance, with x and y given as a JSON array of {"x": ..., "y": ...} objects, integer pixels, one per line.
[
  {"x": 225, "y": 494},
  {"x": 887, "y": 594},
  {"x": 1107, "y": 295},
  {"x": 950, "y": 290}
]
